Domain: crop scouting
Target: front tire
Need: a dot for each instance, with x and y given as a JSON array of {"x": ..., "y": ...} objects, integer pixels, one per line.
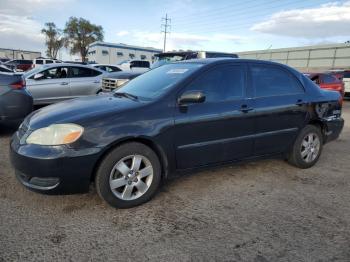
[
  {"x": 307, "y": 147},
  {"x": 129, "y": 175}
]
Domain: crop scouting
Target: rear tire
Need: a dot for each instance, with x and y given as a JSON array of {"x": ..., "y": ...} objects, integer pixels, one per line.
[
  {"x": 128, "y": 176},
  {"x": 307, "y": 147}
]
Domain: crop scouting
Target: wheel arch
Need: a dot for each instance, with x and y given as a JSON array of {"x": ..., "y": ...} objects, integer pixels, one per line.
[
  {"x": 163, "y": 159},
  {"x": 323, "y": 127}
]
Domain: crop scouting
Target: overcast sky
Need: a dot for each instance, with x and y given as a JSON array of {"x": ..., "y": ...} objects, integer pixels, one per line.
[{"x": 222, "y": 25}]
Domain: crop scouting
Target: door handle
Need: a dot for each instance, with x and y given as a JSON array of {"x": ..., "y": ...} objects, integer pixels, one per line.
[
  {"x": 64, "y": 83},
  {"x": 246, "y": 108}
]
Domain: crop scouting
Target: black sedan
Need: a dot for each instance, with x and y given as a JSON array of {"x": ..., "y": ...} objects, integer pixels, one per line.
[{"x": 177, "y": 117}]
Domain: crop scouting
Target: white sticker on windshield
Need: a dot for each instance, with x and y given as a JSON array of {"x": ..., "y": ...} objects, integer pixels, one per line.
[{"x": 177, "y": 71}]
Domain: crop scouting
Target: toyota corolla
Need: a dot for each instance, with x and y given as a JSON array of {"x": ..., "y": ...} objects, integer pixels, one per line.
[{"x": 178, "y": 117}]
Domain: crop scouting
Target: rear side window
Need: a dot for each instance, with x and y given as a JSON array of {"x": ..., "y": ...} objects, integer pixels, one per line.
[
  {"x": 273, "y": 81},
  {"x": 329, "y": 79},
  {"x": 49, "y": 61},
  {"x": 347, "y": 74},
  {"x": 83, "y": 72},
  {"x": 221, "y": 83}
]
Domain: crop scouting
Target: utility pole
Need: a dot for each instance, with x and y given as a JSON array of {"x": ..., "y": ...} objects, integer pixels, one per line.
[{"x": 165, "y": 28}]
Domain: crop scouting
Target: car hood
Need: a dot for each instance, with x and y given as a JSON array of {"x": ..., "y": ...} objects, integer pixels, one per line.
[{"x": 80, "y": 110}]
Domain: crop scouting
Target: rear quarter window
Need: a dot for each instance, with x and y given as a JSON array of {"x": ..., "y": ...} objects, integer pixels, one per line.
[
  {"x": 329, "y": 79},
  {"x": 273, "y": 81}
]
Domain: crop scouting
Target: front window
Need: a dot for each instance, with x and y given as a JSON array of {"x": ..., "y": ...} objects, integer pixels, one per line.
[
  {"x": 34, "y": 71},
  {"x": 159, "y": 81},
  {"x": 55, "y": 73}
]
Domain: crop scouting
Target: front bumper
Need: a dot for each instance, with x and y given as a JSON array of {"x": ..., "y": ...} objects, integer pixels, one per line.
[
  {"x": 53, "y": 169},
  {"x": 333, "y": 129}
]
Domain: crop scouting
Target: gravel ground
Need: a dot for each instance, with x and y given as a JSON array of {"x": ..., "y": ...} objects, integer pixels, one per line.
[{"x": 258, "y": 211}]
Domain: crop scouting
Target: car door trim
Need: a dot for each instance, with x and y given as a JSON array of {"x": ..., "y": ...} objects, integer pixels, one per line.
[{"x": 232, "y": 139}]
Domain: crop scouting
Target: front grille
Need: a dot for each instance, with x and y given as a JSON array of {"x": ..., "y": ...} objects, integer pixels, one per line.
[{"x": 109, "y": 84}]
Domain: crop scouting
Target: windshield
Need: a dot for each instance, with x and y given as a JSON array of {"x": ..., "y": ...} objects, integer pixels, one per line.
[
  {"x": 158, "y": 81},
  {"x": 165, "y": 59}
]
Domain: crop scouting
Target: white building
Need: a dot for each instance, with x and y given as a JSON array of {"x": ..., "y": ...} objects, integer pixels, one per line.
[
  {"x": 306, "y": 58},
  {"x": 18, "y": 54},
  {"x": 109, "y": 53}
]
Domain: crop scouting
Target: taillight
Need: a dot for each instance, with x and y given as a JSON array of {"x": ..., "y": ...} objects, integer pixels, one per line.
[{"x": 18, "y": 85}]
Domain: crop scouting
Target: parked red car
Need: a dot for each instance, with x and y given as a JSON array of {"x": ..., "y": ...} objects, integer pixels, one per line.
[
  {"x": 328, "y": 81},
  {"x": 20, "y": 64}
]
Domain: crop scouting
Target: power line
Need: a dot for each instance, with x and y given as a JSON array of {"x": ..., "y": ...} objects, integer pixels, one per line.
[
  {"x": 211, "y": 25},
  {"x": 165, "y": 26},
  {"x": 242, "y": 13},
  {"x": 219, "y": 11}
]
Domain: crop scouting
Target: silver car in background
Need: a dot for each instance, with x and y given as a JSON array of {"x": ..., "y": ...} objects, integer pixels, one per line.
[{"x": 57, "y": 82}]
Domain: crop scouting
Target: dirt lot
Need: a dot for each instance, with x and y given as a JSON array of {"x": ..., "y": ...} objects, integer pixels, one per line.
[{"x": 258, "y": 211}]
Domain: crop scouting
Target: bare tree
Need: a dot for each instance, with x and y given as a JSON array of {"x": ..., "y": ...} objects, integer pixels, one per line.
[
  {"x": 54, "y": 39},
  {"x": 80, "y": 33}
]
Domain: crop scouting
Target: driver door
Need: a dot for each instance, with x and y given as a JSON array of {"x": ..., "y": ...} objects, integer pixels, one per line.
[
  {"x": 221, "y": 128},
  {"x": 49, "y": 86}
]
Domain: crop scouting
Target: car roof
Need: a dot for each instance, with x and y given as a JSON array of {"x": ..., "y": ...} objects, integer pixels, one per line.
[
  {"x": 190, "y": 52},
  {"x": 66, "y": 64},
  {"x": 228, "y": 59},
  {"x": 94, "y": 65}
]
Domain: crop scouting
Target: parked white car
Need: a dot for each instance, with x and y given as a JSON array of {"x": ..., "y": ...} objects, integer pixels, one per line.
[
  {"x": 346, "y": 80},
  {"x": 138, "y": 66},
  {"x": 57, "y": 82},
  {"x": 43, "y": 61}
]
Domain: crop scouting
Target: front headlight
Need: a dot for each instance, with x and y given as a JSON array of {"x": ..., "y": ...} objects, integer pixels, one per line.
[
  {"x": 56, "y": 134},
  {"x": 121, "y": 82}
]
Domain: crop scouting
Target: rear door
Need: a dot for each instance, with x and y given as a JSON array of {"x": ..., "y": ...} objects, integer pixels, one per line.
[
  {"x": 84, "y": 81},
  {"x": 280, "y": 105},
  {"x": 219, "y": 129},
  {"x": 53, "y": 86}
]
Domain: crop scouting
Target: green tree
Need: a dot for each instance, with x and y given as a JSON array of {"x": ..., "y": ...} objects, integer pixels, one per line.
[
  {"x": 54, "y": 39},
  {"x": 80, "y": 33}
]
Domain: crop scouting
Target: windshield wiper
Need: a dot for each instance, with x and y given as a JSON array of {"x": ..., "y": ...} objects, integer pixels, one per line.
[{"x": 127, "y": 95}]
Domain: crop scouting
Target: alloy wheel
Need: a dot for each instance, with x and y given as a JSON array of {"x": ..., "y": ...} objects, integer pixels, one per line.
[
  {"x": 131, "y": 177},
  {"x": 310, "y": 147}
]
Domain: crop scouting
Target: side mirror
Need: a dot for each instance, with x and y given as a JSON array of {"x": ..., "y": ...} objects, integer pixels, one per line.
[
  {"x": 38, "y": 76},
  {"x": 191, "y": 97}
]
